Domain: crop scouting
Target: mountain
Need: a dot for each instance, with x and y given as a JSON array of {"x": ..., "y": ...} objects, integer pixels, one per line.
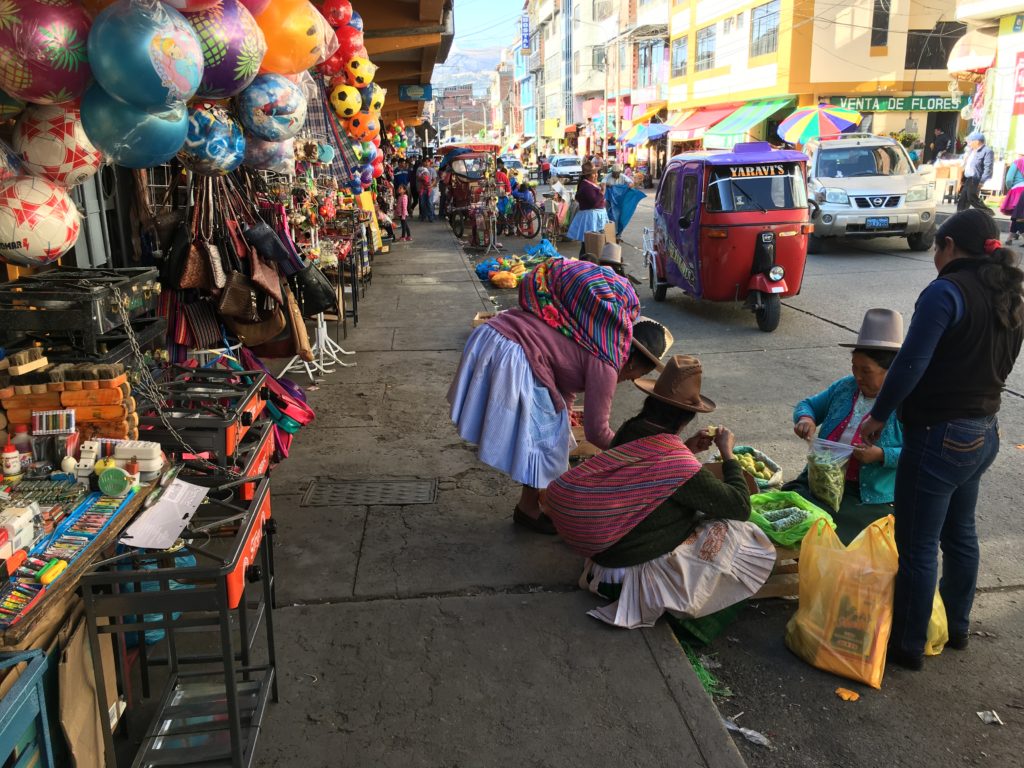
[{"x": 467, "y": 66}]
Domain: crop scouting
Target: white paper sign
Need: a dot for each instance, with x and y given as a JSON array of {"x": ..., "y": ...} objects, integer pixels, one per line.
[{"x": 160, "y": 526}]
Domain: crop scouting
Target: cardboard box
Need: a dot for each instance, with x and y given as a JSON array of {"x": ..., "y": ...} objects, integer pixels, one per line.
[
  {"x": 481, "y": 317},
  {"x": 593, "y": 243},
  {"x": 609, "y": 233}
]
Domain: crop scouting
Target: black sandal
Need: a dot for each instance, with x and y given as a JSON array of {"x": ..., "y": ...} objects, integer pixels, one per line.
[{"x": 540, "y": 524}]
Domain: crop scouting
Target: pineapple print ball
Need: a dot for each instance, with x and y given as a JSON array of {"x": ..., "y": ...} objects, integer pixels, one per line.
[
  {"x": 43, "y": 57},
  {"x": 233, "y": 48},
  {"x": 273, "y": 108}
]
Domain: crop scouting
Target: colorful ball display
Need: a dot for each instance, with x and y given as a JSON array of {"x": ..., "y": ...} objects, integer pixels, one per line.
[
  {"x": 10, "y": 106},
  {"x": 360, "y": 71},
  {"x": 273, "y": 108},
  {"x": 350, "y": 40},
  {"x": 356, "y": 21},
  {"x": 215, "y": 144},
  {"x": 131, "y": 136},
  {"x": 233, "y": 48},
  {"x": 148, "y": 55},
  {"x": 346, "y": 101},
  {"x": 255, "y": 7},
  {"x": 39, "y": 223},
  {"x": 295, "y": 33},
  {"x": 192, "y": 6},
  {"x": 43, "y": 57},
  {"x": 373, "y": 98},
  {"x": 337, "y": 12},
  {"x": 51, "y": 143},
  {"x": 276, "y": 156},
  {"x": 10, "y": 163},
  {"x": 364, "y": 127}
]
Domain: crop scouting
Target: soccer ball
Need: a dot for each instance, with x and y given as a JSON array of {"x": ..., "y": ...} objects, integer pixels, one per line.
[
  {"x": 52, "y": 145},
  {"x": 346, "y": 101},
  {"x": 363, "y": 127},
  {"x": 360, "y": 71},
  {"x": 38, "y": 221}
]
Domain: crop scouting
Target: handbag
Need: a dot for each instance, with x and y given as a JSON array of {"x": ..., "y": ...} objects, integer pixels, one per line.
[
  {"x": 261, "y": 270},
  {"x": 211, "y": 251},
  {"x": 260, "y": 332},
  {"x": 195, "y": 270},
  {"x": 297, "y": 324},
  {"x": 314, "y": 291},
  {"x": 239, "y": 299},
  {"x": 202, "y": 322}
]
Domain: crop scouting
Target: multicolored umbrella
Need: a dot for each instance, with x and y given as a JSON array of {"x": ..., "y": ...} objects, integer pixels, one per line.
[{"x": 822, "y": 120}]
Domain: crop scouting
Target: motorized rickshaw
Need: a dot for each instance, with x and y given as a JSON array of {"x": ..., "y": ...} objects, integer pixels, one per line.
[
  {"x": 468, "y": 180},
  {"x": 732, "y": 226}
]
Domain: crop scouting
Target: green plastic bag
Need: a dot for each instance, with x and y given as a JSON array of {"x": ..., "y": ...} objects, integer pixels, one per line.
[{"x": 762, "y": 504}]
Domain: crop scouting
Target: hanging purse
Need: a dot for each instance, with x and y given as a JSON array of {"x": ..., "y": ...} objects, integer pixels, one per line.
[
  {"x": 297, "y": 324},
  {"x": 314, "y": 291},
  {"x": 195, "y": 271},
  {"x": 260, "y": 332},
  {"x": 261, "y": 270},
  {"x": 202, "y": 322},
  {"x": 239, "y": 299},
  {"x": 217, "y": 274}
]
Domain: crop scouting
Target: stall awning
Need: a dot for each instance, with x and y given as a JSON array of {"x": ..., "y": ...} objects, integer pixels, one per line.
[
  {"x": 649, "y": 111},
  {"x": 693, "y": 125},
  {"x": 571, "y": 128},
  {"x": 736, "y": 127},
  {"x": 528, "y": 143},
  {"x": 552, "y": 128},
  {"x": 974, "y": 52}
]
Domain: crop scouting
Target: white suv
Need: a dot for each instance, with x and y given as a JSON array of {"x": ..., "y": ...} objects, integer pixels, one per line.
[{"x": 866, "y": 186}]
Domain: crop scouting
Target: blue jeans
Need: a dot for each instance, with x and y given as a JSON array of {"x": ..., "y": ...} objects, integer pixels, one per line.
[
  {"x": 937, "y": 483},
  {"x": 426, "y": 208}
]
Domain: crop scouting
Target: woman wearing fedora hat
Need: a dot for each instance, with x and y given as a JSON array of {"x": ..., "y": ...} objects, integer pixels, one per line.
[
  {"x": 661, "y": 533},
  {"x": 947, "y": 384},
  {"x": 837, "y": 413},
  {"x": 576, "y": 330}
]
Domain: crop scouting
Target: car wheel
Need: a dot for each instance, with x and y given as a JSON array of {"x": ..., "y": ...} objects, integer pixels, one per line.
[
  {"x": 815, "y": 244},
  {"x": 921, "y": 241}
]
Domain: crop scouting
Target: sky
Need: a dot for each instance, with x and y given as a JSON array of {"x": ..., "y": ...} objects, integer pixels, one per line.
[{"x": 485, "y": 23}]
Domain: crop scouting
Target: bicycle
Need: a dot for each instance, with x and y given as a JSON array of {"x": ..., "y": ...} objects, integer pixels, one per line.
[{"x": 524, "y": 220}]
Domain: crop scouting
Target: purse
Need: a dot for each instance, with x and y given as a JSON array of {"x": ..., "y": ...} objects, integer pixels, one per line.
[
  {"x": 202, "y": 322},
  {"x": 217, "y": 274},
  {"x": 239, "y": 299},
  {"x": 297, "y": 324},
  {"x": 260, "y": 332},
  {"x": 262, "y": 273},
  {"x": 314, "y": 291},
  {"x": 195, "y": 270}
]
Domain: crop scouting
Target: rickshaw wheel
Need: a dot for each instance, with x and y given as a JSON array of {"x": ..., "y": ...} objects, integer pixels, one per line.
[
  {"x": 770, "y": 313},
  {"x": 815, "y": 244},
  {"x": 528, "y": 222},
  {"x": 659, "y": 291},
  {"x": 458, "y": 222}
]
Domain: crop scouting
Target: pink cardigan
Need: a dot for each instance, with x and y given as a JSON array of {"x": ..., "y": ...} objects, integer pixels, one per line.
[{"x": 402, "y": 207}]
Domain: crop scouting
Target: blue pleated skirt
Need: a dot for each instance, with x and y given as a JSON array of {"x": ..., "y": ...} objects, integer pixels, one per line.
[
  {"x": 587, "y": 221},
  {"x": 500, "y": 406}
]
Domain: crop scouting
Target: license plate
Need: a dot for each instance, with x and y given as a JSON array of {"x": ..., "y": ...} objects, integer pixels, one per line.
[{"x": 876, "y": 222}]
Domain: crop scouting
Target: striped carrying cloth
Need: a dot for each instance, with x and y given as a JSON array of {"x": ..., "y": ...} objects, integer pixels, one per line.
[
  {"x": 590, "y": 304},
  {"x": 597, "y": 503}
]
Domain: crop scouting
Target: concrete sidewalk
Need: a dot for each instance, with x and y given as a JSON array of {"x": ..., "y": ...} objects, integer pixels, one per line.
[{"x": 439, "y": 634}]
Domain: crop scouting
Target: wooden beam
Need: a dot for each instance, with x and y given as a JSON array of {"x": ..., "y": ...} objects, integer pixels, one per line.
[
  {"x": 431, "y": 10},
  {"x": 389, "y": 44}
]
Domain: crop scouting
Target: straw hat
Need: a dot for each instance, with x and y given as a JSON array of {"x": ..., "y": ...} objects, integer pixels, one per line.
[
  {"x": 679, "y": 385},
  {"x": 881, "y": 329},
  {"x": 611, "y": 254},
  {"x": 654, "y": 352}
]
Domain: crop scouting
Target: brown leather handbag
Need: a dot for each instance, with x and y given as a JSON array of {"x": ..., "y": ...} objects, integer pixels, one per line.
[
  {"x": 239, "y": 299},
  {"x": 260, "y": 332}
]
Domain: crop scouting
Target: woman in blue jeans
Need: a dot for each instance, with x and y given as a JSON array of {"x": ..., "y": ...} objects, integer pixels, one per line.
[{"x": 946, "y": 384}]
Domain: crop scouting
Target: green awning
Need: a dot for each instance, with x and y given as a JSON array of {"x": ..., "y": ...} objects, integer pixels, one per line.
[{"x": 736, "y": 127}]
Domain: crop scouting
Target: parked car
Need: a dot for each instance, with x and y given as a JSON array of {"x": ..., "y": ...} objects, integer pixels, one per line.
[
  {"x": 512, "y": 163},
  {"x": 866, "y": 186},
  {"x": 566, "y": 169}
]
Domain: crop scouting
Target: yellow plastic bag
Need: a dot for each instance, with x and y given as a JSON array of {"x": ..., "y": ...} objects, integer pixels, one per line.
[
  {"x": 938, "y": 630},
  {"x": 845, "y": 615}
]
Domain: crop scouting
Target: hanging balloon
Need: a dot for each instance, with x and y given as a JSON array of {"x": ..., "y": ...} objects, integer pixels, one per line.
[
  {"x": 350, "y": 40},
  {"x": 272, "y": 108},
  {"x": 39, "y": 223},
  {"x": 337, "y": 12},
  {"x": 378, "y": 171},
  {"x": 355, "y": 187},
  {"x": 233, "y": 48},
  {"x": 129, "y": 135},
  {"x": 376, "y": 140},
  {"x": 10, "y": 106},
  {"x": 345, "y": 101},
  {"x": 376, "y": 98},
  {"x": 10, "y": 163},
  {"x": 277, "y": 156},
  {"x": 334, "y": 64},
  {"x": 360, "y": 72},
  {"x": 215, "y": 144},
  {"x": 255, "y": 7},
  {"x": 43, "y": 57},
  {"x": 295, "y": 33},
  {"x": 145, "y": 55},
  {"x": 356, "y": 21},
  {"x": 366, "y": 174},
  {"x": 363, "y": 127},
  {"x": 52, "y": 145}
]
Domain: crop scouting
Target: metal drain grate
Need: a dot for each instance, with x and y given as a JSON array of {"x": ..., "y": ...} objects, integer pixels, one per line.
[{"x": 324, "y": 492}]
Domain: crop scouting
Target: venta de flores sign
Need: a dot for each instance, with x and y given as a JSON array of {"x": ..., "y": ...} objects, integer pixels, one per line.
[{"x": 902, "y": 103}]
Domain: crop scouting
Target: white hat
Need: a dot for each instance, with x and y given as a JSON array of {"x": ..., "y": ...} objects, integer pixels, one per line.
[{"x": 611, "y": 254}]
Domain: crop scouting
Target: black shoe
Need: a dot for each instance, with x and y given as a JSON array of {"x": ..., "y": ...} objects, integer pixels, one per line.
[
  {"x": 958, "y": 642},
  {"x": 913, "y": 662},
  {"x": 540, "y": 524}
]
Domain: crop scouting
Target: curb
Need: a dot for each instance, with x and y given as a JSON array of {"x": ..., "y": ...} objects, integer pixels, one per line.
[
  {"x": 1001, "y": 221},
  {"x": 698, "y": 710}
]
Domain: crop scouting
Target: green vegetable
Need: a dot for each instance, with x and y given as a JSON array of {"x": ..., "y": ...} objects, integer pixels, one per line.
[
  {"x": 827, "y": 478},
  {"x": 795, "y": 518},
  {"x": 772, "y": 515}
]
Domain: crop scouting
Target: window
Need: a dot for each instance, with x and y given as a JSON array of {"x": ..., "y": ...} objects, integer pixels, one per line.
[
  {"x": 930, "y": 48},
  {"x": 576, "y": 16},
  {"x": 880, "y": 23},
  {"x": 667, "y": 193},
  {"x": 733, "y": 188},
  {"x": 602, "y": 9},
  {"x": 727, "y": 25},
  {"x": 705, "y": 49},
  {"x": 764, "y": 29},
  {"x": 623, "y": 63},
  {"x": 644, "y": 68},
  {"x": 680, "y": 53},
  {"x": 740, "y": 21},
  {"x": 576, "y": 63},
  {"x": 689, "y": 206},
  {"x": 597, "y": 57},
  {"x": 844, "y": 162}
]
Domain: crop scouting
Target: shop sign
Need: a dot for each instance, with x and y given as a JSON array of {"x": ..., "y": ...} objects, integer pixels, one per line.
[
  {"x": 644, "y": 95},
  {"x": 1018, "y": 85},
  {"x": 1018, "y": 23},
  {"x": 414, "y": 93},
  {"x": 902, "y": 103},
  {"x": 524, "y": 33}
]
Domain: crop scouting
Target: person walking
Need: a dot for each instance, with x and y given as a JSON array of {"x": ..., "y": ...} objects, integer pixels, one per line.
[
  {"x": 425, "y": 178},
  {"x": 1013, "y": 203},
  {"x": 946, "y": 384},
  {"x": 978, "y": 164},
  {"x": 545, "y": 169},
  {"x": 402, "y": 212},
  {"x": 591, "y": 216},
  {"x": 940, "y": 143}
]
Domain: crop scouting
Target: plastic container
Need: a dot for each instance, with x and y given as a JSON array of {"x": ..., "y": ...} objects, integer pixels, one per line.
[
  {"x": 22, "y": 440},
  {"x": 11, "y": 460}
]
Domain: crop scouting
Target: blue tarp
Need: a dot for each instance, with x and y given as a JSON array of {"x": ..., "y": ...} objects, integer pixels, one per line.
[{"x": 621, "y": 202}]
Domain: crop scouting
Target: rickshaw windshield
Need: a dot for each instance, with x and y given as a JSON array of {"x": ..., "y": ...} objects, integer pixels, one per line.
[
  {"x": 764, "y": 187},
  {"x": 469, "y": 167}
]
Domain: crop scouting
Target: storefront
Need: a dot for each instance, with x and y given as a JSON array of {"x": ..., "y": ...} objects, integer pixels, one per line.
[
  {"x": 689, "y": 129},
  {"x": 911, "y": 118}
]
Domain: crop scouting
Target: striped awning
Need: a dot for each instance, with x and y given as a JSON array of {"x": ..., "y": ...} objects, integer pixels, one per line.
[
  {"x": 693, "y": 126},
  {"x": 736, "y": 127}
]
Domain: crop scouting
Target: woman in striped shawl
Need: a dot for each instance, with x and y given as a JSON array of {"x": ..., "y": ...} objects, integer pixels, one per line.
[
  {"x": 659, "y": 532},
  {"x": 520, "y": 372}
]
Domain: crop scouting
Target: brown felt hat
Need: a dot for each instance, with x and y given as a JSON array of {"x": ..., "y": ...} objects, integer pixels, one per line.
[
  {"x": 679, "y": 385},
  {"x": 659, "y": 349},
  {"x": 881, "y": 329}
]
